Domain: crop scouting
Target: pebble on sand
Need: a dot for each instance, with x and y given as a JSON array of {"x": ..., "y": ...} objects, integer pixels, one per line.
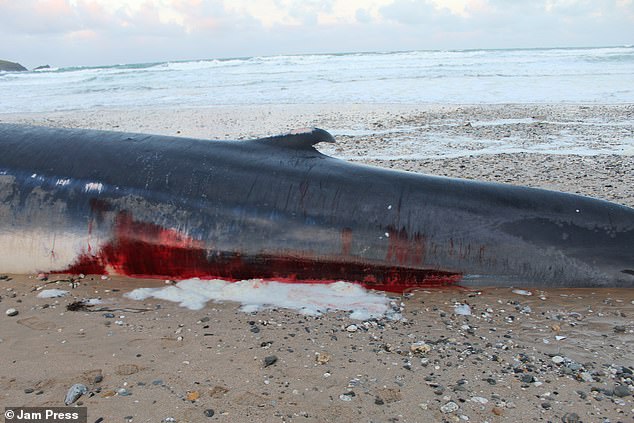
[
  {"x": 75, "y": 391},
  {"x": 12, "y": 312},
  {"x": 270, "y": 360}
]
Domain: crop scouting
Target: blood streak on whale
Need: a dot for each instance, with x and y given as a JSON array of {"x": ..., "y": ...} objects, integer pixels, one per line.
[{"x": 146, "y": 250}]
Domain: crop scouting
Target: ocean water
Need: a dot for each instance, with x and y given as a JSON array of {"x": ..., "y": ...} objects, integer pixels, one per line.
[{"x": 571, "y": 75}]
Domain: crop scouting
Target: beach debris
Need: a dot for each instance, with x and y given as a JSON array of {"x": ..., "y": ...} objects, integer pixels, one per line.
[
  {"x": 558, "y": 359},
  {"x": 74, "y": 393},
  {"x": 571, "y": 418},
  {"x": 52, "y": 293},
  {"x": 86, "y": 305},
  {"x": 269, "y": 360},
  {"x": 449, "y": 407},
  {"x": 192, "y": 395},
  {"x": 462, "y": 310},
  {"x": 123, "y": 392},
  {"x": 420, "y": 347},
  {"x": 522, "y": 292},
  {"x": 78, "y": 306},
  {"x": 480, "y": 400},
  {"x": 12, "y": 312},
  {"x": 622, "y": 391},
  {"x": 347, "y": 396},
  {"x": 322, "y": 357}
]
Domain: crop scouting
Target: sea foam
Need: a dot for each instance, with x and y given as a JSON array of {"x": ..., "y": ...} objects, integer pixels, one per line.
[{"x": 255, "y": 295}]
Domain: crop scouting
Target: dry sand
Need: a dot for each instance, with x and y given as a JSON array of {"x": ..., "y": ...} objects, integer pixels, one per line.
[{"x": 556, "y": 355}]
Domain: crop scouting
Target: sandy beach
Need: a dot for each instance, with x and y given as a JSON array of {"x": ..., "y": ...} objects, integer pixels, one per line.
[{"x": 536, "y": 355}]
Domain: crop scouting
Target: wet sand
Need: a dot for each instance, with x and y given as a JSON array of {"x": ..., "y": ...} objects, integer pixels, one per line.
[{"x": 555, "y": 355}]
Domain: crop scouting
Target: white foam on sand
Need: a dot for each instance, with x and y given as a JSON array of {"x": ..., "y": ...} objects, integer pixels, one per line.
[
  {"x": 255, "y": 294},
  {"x": 52, "y": 293}
]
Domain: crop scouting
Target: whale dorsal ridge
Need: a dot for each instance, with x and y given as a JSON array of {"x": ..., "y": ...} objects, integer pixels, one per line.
[{"x": 300, "y": 139}]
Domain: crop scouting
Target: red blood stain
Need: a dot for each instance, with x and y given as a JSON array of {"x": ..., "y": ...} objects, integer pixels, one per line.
[
  {"x": 86, "y": 264},
  {"x": 141, "y": 249},
  {"x": 405, "y": 250}
]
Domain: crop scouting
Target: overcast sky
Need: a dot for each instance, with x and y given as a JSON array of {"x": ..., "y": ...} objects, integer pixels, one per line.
[{"x": 97, "y": 32}]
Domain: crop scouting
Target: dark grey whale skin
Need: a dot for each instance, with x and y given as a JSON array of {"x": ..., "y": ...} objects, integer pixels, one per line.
[{"x": 276, "y": 208}]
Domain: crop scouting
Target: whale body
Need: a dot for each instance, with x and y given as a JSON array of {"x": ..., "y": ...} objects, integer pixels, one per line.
[{"x": 99, "y": 202}]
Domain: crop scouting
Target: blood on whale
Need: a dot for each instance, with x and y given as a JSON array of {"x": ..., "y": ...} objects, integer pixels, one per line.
[{"x": 147, "y": 250}]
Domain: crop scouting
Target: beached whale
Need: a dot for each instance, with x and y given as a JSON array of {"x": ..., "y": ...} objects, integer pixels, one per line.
[{"x": 96, "y": 202}]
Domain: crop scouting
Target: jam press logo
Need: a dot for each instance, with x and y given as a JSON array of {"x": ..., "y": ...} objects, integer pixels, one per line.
[{"x": 45, "y": 414}]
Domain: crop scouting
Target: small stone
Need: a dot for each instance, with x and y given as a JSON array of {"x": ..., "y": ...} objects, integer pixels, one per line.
[
  {"x": 29, "y": 390},
  {"x": 557, "y": 359},
  {"x": 619, "y": 329},
  {"x": 209, "y": 412},
  {"x": 270, "y": 360},
  {"x": 571, "y": 418},
  {"x": 322, "y": 357},
  {"x": 98, "y": 379},
  {"x": 546, "y": 405},
  {"x": 526, "y": 378},
  {"x": 462, "y": 310},
  {"x": 122, "y": 392},
  {"x": 420, "y": 347},
  {"x": 193, "y": 395},
  {"x": 352, "y": 328},
  {"x": 586, "y": 377},
  {"x": 157, "y": 382},
  {"x": 347, "y": 396},
  {"x": 480, "y": 400},
  {"x": 12, "y": 312},
  {"x": 75, "y": 391},
  {"x": 450, "y": 407},
  {"x": 621, "y": 391},
  {"x": 108, "y": 315},
  {"x": 497, "y": 411}
]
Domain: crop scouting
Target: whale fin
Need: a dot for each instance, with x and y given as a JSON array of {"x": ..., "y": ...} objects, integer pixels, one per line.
[{"x": 301, "y": 139}]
